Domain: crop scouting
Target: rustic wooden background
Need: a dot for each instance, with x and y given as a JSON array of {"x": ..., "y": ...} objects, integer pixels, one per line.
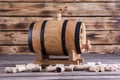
[{"x": 102, "y": 19}]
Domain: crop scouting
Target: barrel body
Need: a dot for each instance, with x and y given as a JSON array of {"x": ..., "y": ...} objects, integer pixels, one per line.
[{"x": 56, "y": 37}]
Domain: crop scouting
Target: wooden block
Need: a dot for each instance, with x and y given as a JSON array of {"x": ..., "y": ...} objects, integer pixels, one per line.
[
  {"x": 47, "y": 61},
  {"x": 73, "y": 56},
  {"x": 92, "y": 23},
  {"x": 68, "y": 9},
  {"x": 39, "y": 56}
]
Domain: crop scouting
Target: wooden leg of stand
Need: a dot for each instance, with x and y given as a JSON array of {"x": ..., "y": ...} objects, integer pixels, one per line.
[
  {"x": 39, "y": 57},
  {"x": 73, "y": 55},
  {"x": 81, "y": 60}
]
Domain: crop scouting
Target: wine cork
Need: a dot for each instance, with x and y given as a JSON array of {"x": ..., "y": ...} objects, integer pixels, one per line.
[
  {"x": 109, "y": 68},
  {"x": 93, "y": 69},
  {"x": 29, "y": 66},
  {"x": 79, "y": 67},
  {"x": 104, "y": 65},
  {"x": 21, "y": 68},
  {"x": 86, "y": 67},
  {"x": 10, "y": 70},
  {"x": 116, "y": 66},
  {"x": 50, "y": 68},
  {"x": 69, "y": 68},
  {"x": 91, "y": 64},
  {"x": 60, "y": 68},
  {"x": 33, "y": 67},
  {"x": 101, "y": 68},
  {"x": 36, "y": 68}
]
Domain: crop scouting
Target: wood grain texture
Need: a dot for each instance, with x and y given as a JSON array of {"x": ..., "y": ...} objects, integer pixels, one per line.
[
  {"x": 104, "y": 37},
  {"x": 12, "y": 37},
  {"x": 100, "y": 49},
  {"x": 91, "y": 23},
  {"x": 67, "y": 9},
  {"x": 59, "y": 1},
  {"x": 52, "y": 36},
  {"x": 101, "y": 17},
  {"x": 96, "y": 37},
  {"x": 14, "y": 49}
]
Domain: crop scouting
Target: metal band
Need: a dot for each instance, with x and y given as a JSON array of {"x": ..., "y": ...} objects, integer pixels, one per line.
[
  {"x": 63, "y": 37},
  {"x": 30, "y": 37},
  {"x": 42, "y": 37},
  {"x": 77, "y": 33}
]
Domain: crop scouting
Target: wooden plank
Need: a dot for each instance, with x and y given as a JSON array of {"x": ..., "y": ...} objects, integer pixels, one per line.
[
  {"x": 96, "y": 37},
  {"x": 14, "y": 50},
  {"x": 13, "y": 37},
  {"x": 20, "y": 56},
  {"x": 73, "y": 74},
  {"x": 59, "y": 1},
  {"x": 53, "y": 62},
  {"x": 67, "y": 9},
  {"x": 30, "y": 57},
  {"x": 12, "y": 63},
  {"x": 12, "y": 60},
  {"x": 92, "y": 23},
  {"x": 100, "y": 49},
  {"x": 104, "y": 37},
  {"x": 64, "y": 78}
]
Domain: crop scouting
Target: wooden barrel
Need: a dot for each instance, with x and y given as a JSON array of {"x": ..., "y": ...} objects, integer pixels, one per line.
[{"x": 56, "y": 37}]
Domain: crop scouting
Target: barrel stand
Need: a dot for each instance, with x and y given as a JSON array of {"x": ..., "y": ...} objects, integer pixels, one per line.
[{"x": 74, "y": 58}]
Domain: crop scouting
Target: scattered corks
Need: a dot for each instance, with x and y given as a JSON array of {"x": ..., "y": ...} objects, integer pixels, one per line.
[
  {"x": 89, "y": 66},
  {"x": 23, "y": 68}
]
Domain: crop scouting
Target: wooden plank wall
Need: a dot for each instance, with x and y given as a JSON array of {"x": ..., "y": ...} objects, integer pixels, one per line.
[{"x": 102, "y": 19}]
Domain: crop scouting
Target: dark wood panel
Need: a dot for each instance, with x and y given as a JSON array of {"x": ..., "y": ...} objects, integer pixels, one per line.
[
  {"x": 100, "y": 49},
  {"x": 59, "y": 0},
  {"x": 67, "y": 9},
  {"x": 92, "y": 23},
  {"x": 96, "y": 37},
  {"x": 12, "y": 37},
  {"x": 104, "y": 37},
  {"x": 14, "y": 49}
]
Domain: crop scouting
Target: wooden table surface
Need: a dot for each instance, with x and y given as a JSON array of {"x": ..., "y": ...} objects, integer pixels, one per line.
[{"x": 11, "y": 60}]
